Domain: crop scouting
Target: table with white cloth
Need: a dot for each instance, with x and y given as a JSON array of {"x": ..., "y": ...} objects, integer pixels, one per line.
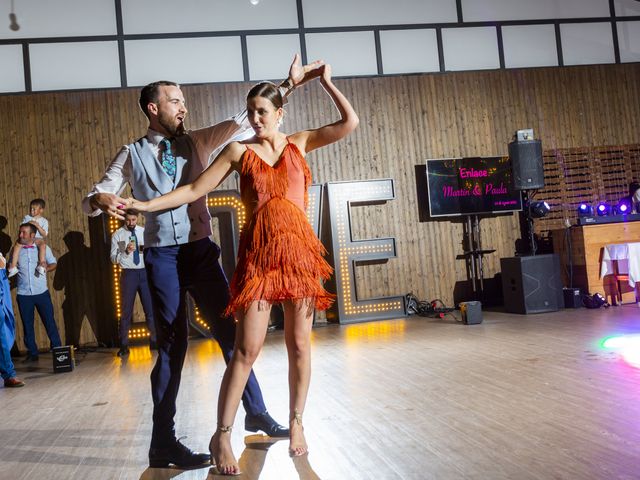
[
  {"x": 622, "y": 259},
  {"x": 582, "y": 249}
]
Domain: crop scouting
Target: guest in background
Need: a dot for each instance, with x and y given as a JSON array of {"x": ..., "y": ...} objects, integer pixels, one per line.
[
  {"x": 126, "y": 251},
  {"x": 36, "y": 208},
  {"x": 33, "y": 292},
  {"x": 7, "y": 331},
  {"x": 634, "y": 196}
]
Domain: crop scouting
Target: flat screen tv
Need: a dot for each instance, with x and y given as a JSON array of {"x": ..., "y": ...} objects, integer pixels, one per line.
[{"x": 471, "y": 186}]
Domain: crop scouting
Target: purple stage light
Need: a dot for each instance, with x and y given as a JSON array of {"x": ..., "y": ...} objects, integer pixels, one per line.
[
  {"x": 603, "y": 209},
  {"x": 585, "y": 210},
  {"x": 624, "y": 206}
]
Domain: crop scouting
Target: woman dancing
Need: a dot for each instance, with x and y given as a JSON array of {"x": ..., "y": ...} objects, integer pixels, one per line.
[{"x": 279, "y": 259}]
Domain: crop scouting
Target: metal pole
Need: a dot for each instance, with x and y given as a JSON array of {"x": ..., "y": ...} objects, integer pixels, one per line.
[
  {"x": 478, "y": 238},
  {"x": 471, "y": 255}
]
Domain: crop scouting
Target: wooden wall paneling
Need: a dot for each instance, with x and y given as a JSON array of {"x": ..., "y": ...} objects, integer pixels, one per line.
[
  {"x": 57, "y": 139},
  {"x": 553, "y": 190},
  {"x": 633, "y": 152},
  {"x": 615, "y": 168},
  {"x": 440, "y": 262},
  {"x": 434, "y": 114},
  {"x": 436, "y": 257},
  {"x": 631, "y": 155},
  {"x": 580, "y": 178},
  {"x": 59, "y": 134},
  {"x": 84, "y": 251},
  {"x": 64, "y": 140}
]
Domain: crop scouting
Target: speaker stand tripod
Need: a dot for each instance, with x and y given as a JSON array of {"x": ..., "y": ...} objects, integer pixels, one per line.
[
  {"x": 474, "y": 254},
  {"x": 526, "y": 224}
]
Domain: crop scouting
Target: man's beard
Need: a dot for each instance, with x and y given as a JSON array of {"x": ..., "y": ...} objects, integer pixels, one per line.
[{"x": 169, "y": 125}]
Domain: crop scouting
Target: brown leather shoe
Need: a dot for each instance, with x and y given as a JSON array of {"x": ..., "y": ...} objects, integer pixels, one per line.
[{"x": 13, "y": 382}]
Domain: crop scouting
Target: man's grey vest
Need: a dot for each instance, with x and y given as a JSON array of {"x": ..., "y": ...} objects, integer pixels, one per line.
[{"x": 177, "y": 226}]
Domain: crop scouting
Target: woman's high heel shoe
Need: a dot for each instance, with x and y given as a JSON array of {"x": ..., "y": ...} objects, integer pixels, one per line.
[
  {"x": 302, "y": 450},
  {"x": 231, "y": 470}
]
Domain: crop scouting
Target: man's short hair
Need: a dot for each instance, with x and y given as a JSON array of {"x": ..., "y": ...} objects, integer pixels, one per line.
[
  {"x": 149, "y": 94},
  {"x": 31, "y": 227},
  {"x": 37, "y": 201},
  {"x": 132, "y": 213}
]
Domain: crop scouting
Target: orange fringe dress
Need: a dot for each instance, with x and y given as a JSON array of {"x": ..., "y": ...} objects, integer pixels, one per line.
[{"x": 279, "y": 256}]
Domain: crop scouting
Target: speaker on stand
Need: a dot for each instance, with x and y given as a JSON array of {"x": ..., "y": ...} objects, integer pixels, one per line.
[
  {"x": 528, "y": 174},
  {"x": 526, "y": 162},
  {"x": 530, "y": 283}
]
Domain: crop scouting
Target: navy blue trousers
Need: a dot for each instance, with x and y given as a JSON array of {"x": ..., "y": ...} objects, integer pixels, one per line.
[
  {"x": 27, "y": 304},
  {"x": 172, "y": 272},
  {"x": 132, "y": 281}
]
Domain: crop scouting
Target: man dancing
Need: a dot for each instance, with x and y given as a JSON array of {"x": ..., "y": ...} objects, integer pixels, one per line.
[{"x": 179, "y": 255}]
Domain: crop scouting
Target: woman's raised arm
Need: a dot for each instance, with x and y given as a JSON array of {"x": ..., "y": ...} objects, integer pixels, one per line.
[{"x": 312, "y": 139}]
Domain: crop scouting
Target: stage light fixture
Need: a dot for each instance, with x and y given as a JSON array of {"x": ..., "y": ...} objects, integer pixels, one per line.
[
  {"x": 623, "y": 207},
  {"x": 603, "y": 209},
  {"x": 585, "y": 210},
  {"x": 539, "y": 209}
]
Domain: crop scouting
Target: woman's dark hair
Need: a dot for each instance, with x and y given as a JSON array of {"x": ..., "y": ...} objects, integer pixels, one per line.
[
  {"x": 633, "y": 186},
  {"x": 149, "y": 94},
  {"x": 267, "y": 90}
]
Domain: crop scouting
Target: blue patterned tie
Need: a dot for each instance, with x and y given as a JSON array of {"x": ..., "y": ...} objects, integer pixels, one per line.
[
  {"x": 136, "y": 252},
  {"x": 168, "y": 160}
]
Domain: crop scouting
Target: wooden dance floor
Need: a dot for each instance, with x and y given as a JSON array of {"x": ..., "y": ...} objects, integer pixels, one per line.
[{"x": 517, "y": 397}]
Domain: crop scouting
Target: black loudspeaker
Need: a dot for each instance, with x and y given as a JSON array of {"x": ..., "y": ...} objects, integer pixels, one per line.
[
  {"x": 532, "y": 284},
  {"x": 526, "y": 163},
  {"x": 471, "y": 312},
  {"x": 63, "y": 360},
  {"x": 572, "y": 298}
]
